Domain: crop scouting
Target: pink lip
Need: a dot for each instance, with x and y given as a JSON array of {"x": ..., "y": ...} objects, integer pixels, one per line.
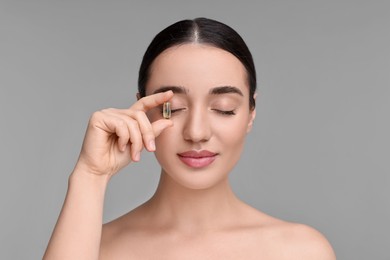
[{"x": 197, "y": 159}]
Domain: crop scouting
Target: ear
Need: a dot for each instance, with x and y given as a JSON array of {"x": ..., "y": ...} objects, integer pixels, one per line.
[
  {"x": 252, "y": 116},
  {"x": 138, "y": 96}
]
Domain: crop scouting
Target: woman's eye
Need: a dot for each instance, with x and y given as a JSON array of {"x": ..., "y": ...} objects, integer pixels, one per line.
[
  {"x": 225, "y": 112},
  {"x": 176, "y": 110},
  {"x": 167, "y": 110}
]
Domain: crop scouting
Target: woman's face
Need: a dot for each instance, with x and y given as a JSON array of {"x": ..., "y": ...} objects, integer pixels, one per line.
[{"x": 210, "y": 113}]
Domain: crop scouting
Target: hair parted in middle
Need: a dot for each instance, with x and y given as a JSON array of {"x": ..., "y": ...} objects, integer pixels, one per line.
[{"x": 202, "y": 31}]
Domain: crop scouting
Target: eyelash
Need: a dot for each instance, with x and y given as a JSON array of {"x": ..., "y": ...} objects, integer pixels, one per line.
[
  {"x": 225, "y": 112},
  {"x": 222, "y": 112},
  {"x": 176, "y": 110}
]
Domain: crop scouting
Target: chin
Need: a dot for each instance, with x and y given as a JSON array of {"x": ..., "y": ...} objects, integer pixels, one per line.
[{"x": 195, "y": 180}]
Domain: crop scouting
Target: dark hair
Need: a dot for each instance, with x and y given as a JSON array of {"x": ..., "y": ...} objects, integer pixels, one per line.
[{"x": 204, "y": 31}]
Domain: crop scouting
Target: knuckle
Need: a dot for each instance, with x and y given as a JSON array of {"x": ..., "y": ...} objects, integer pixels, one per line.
[
  {"x": 96, "y": 116},
  {"x": 121, "y": 122},
  {"x": 107, "y": 110},
  {"x": 132, "y": 124},
  {"x": 136, "y": 144}
]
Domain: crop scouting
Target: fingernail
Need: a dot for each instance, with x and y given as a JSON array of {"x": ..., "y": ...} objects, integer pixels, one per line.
[{"x": 152, "y": 145}]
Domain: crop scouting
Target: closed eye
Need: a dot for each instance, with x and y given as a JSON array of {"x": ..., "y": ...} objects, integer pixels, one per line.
[
  {"x": 172, "y": 110},
  {"x": 177, "y": 110},
  {"x": 225, "y": 112}
]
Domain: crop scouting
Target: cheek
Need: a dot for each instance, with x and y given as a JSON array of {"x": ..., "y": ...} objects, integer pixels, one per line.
[
  {"x": 166, "y": 146},
  {"x": 168, "y": 138},
  {"x": 231, "y": 130}
]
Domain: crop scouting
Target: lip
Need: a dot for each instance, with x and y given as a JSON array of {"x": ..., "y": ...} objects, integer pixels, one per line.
[{"x": 197, "y": 159}]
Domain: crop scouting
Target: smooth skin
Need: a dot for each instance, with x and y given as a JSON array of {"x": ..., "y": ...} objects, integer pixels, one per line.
[{"x": 194, "y": 213}]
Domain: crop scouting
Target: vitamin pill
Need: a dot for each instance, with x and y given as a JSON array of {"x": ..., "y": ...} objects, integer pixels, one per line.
[{"x": 167, "y": 110}]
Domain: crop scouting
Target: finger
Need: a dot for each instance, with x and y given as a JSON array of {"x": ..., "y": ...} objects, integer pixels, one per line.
[
  {"x": 135, "y": 139},
  {"x": 111, "y": 124},
  {"x": 123, "y": 135},
  {"x": 146, "y": 130},
  {"x": 133, "y": 130},
  {"x": 160, "y": 125},
  {"x": 151, "y": 101}
]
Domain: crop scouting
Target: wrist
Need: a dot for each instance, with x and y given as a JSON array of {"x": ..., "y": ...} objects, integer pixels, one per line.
[{"x": 82, "y": 175}]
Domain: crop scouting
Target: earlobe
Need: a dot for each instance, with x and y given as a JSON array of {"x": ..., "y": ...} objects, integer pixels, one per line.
[
  {"x": 138, "y": 96},
  {"x": 251, "y": 120}
]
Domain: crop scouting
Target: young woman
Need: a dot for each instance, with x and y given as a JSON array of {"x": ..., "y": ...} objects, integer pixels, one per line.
[{"x": 206, "y": 72}]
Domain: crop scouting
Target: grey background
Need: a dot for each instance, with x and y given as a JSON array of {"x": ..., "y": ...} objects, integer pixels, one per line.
[{"x": 319, "y": 151}]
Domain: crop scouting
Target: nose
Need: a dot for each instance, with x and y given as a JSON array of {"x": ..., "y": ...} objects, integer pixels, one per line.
[{"x": 197, "y": 127}]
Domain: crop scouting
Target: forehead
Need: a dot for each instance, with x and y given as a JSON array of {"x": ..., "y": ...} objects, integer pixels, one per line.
[{"x": 197, "y": 67}]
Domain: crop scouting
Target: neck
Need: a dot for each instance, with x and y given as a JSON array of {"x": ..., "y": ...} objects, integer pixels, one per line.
[{"x": 176, "y": 206}]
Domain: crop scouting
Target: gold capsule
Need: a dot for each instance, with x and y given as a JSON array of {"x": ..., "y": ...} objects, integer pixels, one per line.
[{"x": 167, "y": 110}]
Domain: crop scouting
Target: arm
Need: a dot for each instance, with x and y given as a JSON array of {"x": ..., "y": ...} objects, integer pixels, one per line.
[
  {"x": 113, "y": 139},
  {"x": 78, "y": 229}
]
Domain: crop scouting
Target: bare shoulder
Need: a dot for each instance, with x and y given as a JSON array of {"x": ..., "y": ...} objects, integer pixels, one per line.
[
  {"x": 305, "y": 242},
  {"x": 293, "y": 241},
  {"x": 254, "y": 235},
  {"x": 117, "y": 235}
]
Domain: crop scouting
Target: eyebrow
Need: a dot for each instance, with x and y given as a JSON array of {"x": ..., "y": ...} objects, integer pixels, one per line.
[
  {"x": 225, "y": 90},
  {"x": 214, "y": 91},
  {"x": 174, "y": 89}
]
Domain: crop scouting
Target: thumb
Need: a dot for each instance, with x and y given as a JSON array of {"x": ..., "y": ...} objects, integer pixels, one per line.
[{"x": 161, "y": 125}]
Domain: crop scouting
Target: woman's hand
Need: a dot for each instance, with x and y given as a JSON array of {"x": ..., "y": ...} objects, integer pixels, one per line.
[{"x": 115, "y": 137}]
